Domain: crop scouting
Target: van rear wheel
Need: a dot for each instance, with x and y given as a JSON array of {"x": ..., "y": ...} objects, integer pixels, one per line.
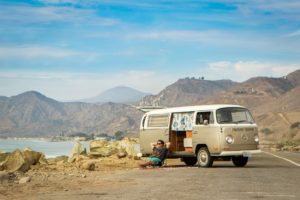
[
  {"x": 204, "y": 158},
  {"x": 190, "y": 161},
  {"x": 239, "y": 161}
]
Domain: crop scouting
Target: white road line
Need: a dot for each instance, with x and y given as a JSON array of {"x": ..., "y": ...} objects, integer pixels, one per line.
[
  {"x": 294, "y": 163},
  {"x": 265, "y": 194}
]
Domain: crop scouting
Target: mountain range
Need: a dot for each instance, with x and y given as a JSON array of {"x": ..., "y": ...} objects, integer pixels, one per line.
[
  {"x": 274, "y": 103},
  {"x": 186, "y": 91},
  {"x": 33, "y": 114},
  {"x": 120, "y": 94}
]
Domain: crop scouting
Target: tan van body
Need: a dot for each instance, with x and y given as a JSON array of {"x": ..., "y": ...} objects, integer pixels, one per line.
[{"x": 202, "y": 133}]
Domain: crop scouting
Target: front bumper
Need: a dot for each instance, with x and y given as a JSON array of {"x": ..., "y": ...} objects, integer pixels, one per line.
[{"x": 240, "y": 153}]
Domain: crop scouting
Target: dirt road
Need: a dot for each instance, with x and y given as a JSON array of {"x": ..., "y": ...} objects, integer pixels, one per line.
[{"x": 265, "y": 177}]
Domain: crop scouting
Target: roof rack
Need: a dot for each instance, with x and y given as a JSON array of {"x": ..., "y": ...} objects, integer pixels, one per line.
[{"x": 149, "y": 108}]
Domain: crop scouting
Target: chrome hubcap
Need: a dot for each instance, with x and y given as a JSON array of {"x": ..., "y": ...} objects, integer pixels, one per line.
[{"x": 203, "y": 157}]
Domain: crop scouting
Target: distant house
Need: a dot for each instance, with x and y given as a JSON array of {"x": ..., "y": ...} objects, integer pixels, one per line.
[
  {"x": 77, "y": 138},
  {"x": 106, "y": 138}
]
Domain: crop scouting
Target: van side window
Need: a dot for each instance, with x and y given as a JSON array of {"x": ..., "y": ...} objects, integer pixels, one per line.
[
  {"x": 158, "y": 120},
  {"x": 201, "y": 116}
]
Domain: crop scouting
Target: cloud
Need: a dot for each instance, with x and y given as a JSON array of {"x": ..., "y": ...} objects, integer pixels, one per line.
[
  {"x": 29, "y": 52},
  {"x": 279, "y": 70},
  {"x": 24, "y": 14},
  {"x": 243, "y": 70},
  {"x": 72, "y": 86},
  {"x": 219, "y": 66},
  {"x": 286, "y": 6},
  {"x": 240, "y": 41},
  {"x": 291, "y": 5},
  {"x": 145, "y": 4},
  {"x": 270, "y": 5},
  {"x": 66, "y": 86},
  {"x": 174, "y": 35},
  {"x": 35, "y": 75},
  {"x": 58, "y": 1},
  {"x": 252, "y": 68},
  {"x": 293, "y": 34}
]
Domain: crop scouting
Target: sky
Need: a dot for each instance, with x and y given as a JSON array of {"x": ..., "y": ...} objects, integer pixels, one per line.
[{"x": 75, "y": 49}]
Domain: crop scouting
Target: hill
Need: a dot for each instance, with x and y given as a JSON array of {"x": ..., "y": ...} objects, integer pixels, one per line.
[
  {"x": 186, "y": 91},
  {"x": 33, "y": 114},
  {"x": 119, "y": 94},
  {"x": 294, "y": 78},
  {"x": 253, "y": 92}
]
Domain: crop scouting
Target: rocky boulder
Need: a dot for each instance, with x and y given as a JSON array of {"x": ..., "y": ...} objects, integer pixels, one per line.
[
  {"x": 31, "y": 157},
  {"x": 103, "y": 148},
  {"x": 131, "y": 146},
  {"x": 24, "y": 180},
  {"x": 4, "y": 177},
  {"x": 78, "y": 149},
  {"x": 16, "y": 162},
  {"x": 127, "y": 147},
  {"x": 21, "y": 160},
  {"x": 122, "y": 155},
  {"x": 61, "y": 159},
  {"x": 3, "y": 156},
  {"x": 88, "y": 165}
]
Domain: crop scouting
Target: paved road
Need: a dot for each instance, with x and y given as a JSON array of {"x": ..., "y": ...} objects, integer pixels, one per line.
[{"x": 265, "y": 177}]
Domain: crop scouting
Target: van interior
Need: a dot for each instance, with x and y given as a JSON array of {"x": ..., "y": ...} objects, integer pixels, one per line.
[
  {"x": 181, "y": 129},
  {"x": 178, "y": 140}
]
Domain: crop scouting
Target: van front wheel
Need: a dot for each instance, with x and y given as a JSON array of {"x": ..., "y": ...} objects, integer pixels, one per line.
[
  {"x": 239, "y": 161},
  {"x": 204, "y": 158},
  {"x": 190, "y": 161}
]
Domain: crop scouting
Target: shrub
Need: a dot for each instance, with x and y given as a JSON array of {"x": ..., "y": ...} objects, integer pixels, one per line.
[
  {"x": 295, "y": 125},
  {"x": 291, "y": 143},
  {"x": 280, "y": 145},
  {"x": 266, "y": 131},
  {"x": 292, "y": 133},
  {"x": 119, "y": 135}
]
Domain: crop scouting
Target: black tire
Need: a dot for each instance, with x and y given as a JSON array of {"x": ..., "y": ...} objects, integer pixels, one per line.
[
  {"x": 239, "y": 161},
  {"x": 190, "y": 161},
  {"x": 204, "y": 158}
]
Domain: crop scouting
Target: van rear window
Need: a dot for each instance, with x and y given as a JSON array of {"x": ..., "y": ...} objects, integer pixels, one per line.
[{"x": 158, "y": 120}]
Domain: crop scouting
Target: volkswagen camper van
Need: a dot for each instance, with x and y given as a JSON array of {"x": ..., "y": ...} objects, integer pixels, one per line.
[{"x": 202, "y": 134}]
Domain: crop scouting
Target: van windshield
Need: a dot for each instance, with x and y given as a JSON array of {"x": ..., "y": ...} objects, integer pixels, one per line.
[{"x": 234, "y": 115}]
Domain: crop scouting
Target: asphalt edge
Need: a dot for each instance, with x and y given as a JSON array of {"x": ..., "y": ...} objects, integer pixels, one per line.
[{"x": 288, "y": 160}]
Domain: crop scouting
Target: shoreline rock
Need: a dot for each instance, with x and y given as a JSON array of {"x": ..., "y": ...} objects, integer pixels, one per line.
[
  {"x": 24, "y": 180},
  {"x": 21, "y": 160},
  {"x": 78, "y": 149}
]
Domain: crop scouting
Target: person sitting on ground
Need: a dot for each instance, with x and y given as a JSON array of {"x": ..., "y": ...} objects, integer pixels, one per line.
[{"x": 158, "y": 155}]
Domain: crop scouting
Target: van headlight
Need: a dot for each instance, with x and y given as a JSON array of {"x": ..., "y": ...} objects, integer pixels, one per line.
[
  {"x": 256, "y": 139},
  {"x": 229, "y": 139}
]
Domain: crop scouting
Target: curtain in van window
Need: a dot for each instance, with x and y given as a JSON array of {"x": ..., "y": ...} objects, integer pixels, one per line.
[{"x": 182, "y": 121}]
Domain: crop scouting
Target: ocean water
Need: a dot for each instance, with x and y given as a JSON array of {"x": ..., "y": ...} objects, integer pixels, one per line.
[{"x": 50, "y": 149}]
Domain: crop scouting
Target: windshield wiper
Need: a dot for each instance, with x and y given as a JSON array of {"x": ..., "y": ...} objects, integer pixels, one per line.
[{"x": 243, "y": 121}]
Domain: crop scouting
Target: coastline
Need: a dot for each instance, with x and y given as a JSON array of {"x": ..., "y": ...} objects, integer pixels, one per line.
[{"x": 48, "y": 148}]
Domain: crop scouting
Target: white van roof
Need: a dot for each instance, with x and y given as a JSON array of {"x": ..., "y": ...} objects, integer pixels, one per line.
[{"x": 192, "y": 108}]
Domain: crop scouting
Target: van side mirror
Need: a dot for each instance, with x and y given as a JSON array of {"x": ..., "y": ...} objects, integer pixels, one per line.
[{"x": 205, "y": 122}]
